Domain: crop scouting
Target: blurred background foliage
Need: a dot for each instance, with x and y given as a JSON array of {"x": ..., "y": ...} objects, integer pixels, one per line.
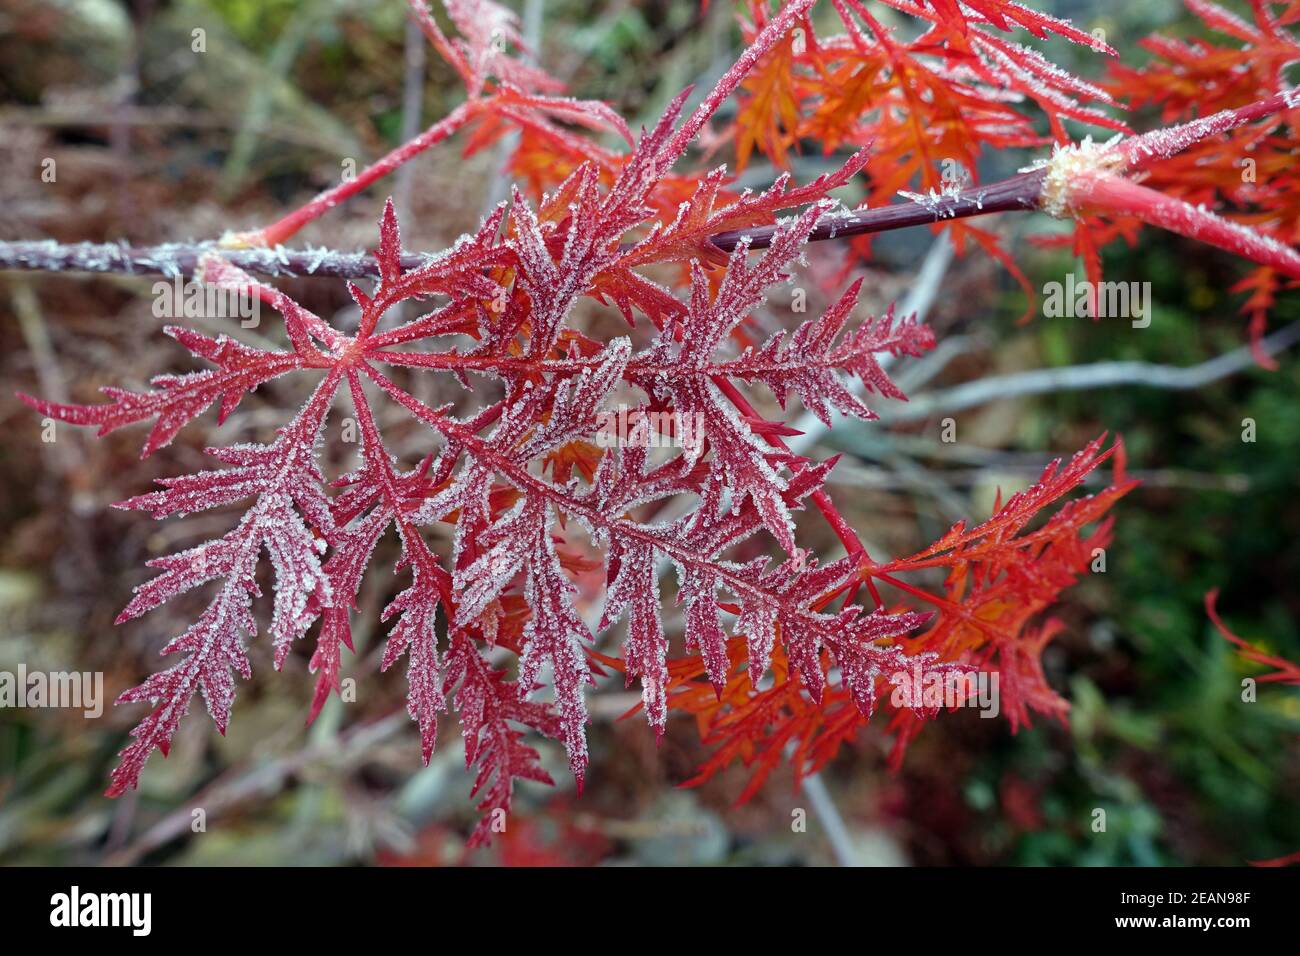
[{"x": 154, "y": 143}]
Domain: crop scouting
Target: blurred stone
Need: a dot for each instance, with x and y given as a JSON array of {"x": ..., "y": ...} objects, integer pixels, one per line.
[{"x": 677, "y": 831}]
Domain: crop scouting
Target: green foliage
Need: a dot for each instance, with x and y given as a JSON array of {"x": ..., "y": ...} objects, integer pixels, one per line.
[{"x": 1189, "y": 772}]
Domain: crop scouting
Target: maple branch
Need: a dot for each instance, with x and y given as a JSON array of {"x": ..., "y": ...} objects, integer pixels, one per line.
[
  {"x": 1022, "y": 191},
  {"x": 180, "y": 259}
]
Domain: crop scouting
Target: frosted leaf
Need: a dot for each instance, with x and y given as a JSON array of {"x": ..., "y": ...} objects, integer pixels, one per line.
[{"x": 488, "y": 705}]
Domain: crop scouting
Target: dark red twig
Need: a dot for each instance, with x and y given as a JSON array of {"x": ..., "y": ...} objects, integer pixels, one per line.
[{"x": 1021, "y": 191}]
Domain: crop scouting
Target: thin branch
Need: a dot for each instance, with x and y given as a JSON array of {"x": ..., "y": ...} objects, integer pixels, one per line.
[
  {"x": 180, "y": 259},
  {"x": 1073, "y": 378},
  {"x": 412, "y": 104},
  {"x": 237, "y": 784},
  {"x": 837, "y": 834},
  {"x": 498, "y": 190},
  {"x": 1021, "y": 191},
  {"x": 847, "y": 474}
]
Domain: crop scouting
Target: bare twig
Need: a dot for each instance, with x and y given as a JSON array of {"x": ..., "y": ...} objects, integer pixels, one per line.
[
  {"x": 181, "y": 259},
  {"x": 231, "y": 789},
  {"x": 498, "y": 187},
  {"x": 850, "y": 475},
  {"x": 837, "y": 834},
  {"x": 412, "y": 105},
  {"x": 1019, "y": 192},
  {"x": 1074, "y": 378}
]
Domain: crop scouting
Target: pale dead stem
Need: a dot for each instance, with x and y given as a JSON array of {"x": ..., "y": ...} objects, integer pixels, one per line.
[{"x": 1075, "y": 378}]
